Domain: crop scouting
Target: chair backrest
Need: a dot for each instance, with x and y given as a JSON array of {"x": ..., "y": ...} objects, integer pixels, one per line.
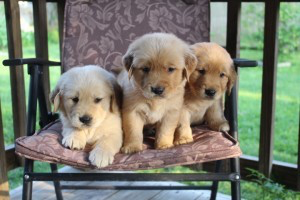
[{"x": 99, "y": 31}]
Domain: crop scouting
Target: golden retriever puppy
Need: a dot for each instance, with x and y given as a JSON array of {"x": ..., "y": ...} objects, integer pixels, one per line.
[
  {"x": 157, "y": 67},
  {"x": 88, "y": 100},
  {"x": 214, "y": 75}
]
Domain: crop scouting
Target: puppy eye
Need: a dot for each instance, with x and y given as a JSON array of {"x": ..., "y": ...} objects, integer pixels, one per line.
[
  {"x": 97, "y": 100},
  {"x": 202, "y": 71},
  {"x": 75, "y": 99},
  {"x": 171, "y": 69},
  {"x": 146, "y": 69},
  {"x": 222, "y": 75}
]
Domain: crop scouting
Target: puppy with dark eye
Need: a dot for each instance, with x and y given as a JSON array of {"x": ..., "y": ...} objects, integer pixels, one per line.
[
  {"x": 213, "y": 76},
  {"x": 157, "y": 67},
  {"x": 89, "y": 102}
]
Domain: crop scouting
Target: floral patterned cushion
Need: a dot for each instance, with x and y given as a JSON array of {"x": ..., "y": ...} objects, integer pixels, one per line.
[
  {"x": 99, "y": 31},
  {"x": 208, "y": 145}
]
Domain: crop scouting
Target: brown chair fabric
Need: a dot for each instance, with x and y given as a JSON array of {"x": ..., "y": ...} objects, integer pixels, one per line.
[
  {"x": 99, "y": 31},
  {"x": 207, "y": 146}
]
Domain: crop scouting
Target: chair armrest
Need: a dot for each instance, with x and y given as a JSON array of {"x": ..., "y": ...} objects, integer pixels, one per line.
[
  {"x": 240, "y": 62},
  {"x": 29, "y": 61}
]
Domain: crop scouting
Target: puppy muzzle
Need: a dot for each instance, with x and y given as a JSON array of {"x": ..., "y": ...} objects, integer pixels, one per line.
[
  {"x": 86, "y": 120},
  {"x": 210, "y": 92},
  {"x": 157, "y": 90}
]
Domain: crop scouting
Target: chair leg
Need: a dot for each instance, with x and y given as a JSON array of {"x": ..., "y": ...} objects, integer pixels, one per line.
[
  {"x": 215, "y": 184},
  {"x": 27, "y": 185},
  {"x": 56, "y": 183},
  {"x": 235, "y": 190},
  {"x": 235, "y": 185}
]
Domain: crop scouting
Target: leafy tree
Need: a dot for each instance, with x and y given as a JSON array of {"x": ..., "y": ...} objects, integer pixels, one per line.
[
  {"x": 289, "y": 27},
  {"x": 3, "y": 37}
]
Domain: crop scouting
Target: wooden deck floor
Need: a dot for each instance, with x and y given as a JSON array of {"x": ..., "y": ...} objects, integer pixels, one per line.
[{"x": 45, "y": 191}]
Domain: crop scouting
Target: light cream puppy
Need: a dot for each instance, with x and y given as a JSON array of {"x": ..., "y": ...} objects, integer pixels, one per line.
[
  {"x": 214, "y": 75},
  {"x": 88, "y": 100},
  {"x": 157, "y": 67}
]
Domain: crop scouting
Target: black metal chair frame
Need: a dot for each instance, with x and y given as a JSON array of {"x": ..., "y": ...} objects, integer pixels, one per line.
[{"x": 37, "y": 95}]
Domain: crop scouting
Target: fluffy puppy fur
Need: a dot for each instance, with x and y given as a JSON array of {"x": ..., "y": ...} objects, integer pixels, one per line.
[
  {"x": 214, "y": 75},
  {"x": 88, "y": 100},
  {"x": 157, "y": 67}
]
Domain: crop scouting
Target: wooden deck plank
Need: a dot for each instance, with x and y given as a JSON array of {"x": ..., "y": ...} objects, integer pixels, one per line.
[
  {"x": 133, "y": 195},
  {"x": 179, "y": 194},
  {"x": 141, "y": 194}
]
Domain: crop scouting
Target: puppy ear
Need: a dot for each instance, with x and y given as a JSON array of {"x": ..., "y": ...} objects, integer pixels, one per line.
[
  {"x": 231, "y": 78},
  {"x": 55, "y": 98},
  {"x": 127, "y": 62},
  {"x": 116, "y": 99},
  {"x": 190, "y": 64}
]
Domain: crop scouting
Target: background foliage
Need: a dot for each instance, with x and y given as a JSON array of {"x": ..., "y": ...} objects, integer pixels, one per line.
[{"x": 253, "y": 29}]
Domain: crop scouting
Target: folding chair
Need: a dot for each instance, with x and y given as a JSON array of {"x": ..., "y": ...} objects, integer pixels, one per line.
[{"x": 99, "y": 32}]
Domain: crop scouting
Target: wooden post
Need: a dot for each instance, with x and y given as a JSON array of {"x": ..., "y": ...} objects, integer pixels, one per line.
[
  {"x": 233, "y": 28},
  {"x": 4, "y": 189},
  {"x": 41, "y": 40},
  {"x": 12, "y": 14},
  {"x": 233, "y": 47},
  {"x": 268, "y": 87},
  {"x": 60, "y": 13},
  {"x": 233, "y": 36}
]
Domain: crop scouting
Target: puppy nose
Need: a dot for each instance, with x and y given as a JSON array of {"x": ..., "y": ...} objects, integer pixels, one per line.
[
  {"x": 157, "y": 90},
  {"x": 210, "y": 92},
  {"x": 85, "y": 119}
]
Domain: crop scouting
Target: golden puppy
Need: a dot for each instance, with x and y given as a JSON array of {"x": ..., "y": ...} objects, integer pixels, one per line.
[
  {"x": 157, "y": 67},
  {"x": 214, "y": 75},
  {"x": 87, "y": 98}
]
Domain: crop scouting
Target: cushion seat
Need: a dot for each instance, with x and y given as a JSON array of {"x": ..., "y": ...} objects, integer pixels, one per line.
[{"x": 45, "y": 145}]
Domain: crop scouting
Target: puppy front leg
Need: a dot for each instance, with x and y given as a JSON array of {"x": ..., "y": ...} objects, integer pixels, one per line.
[
  {"x": 183, "y": 133},
  {"x": 133, "y": 132},
  {"x": 73, "y": 139},
  {"x": 214, "y": 117},
  {"x": 165, "y": 130},
  {"x": 105, "y": 149}
]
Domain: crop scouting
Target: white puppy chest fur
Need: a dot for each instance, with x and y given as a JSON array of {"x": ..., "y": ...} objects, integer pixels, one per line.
[{"x": 88, "y": 99}]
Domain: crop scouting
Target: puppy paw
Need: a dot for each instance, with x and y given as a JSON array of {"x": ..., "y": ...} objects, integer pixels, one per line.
[
  {"x": 74, "y": 141},
  {"x": 183, "y": 140},
  {"x": 131, "y": 148},
  {"x": 101, "y": 157},
  {"x": 183, "y": 135},
  {"x": 163, "y": 145}
]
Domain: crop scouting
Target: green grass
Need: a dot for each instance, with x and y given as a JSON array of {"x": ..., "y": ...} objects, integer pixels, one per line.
[{"x": 286, "y": 113}]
